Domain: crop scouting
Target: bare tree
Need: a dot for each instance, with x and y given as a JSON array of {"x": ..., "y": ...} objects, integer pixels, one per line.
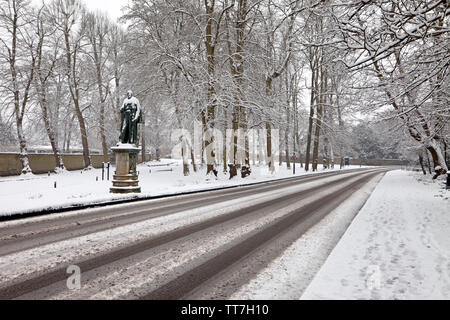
[
  {"x": 97, "y": 32},
  {"x": 45, "y": 65},
  {"x": 68, "y": 15},
  {"x": 17, "y": 50},
  {"x": 409, "y": 56}
]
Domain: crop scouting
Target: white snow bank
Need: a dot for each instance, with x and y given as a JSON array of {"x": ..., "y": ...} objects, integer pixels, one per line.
[{"x": 398, "y": 247}]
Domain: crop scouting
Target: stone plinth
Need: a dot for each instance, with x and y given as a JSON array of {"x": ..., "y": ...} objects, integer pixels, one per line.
[{"x": 125, "y": 179}]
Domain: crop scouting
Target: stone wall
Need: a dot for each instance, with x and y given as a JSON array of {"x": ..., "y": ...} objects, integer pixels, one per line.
[
  {"x": 43, "y": 163},
  {"x": 10, "y": 164}
]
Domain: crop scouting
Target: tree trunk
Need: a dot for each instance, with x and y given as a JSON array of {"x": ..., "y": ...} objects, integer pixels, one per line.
[
  {"x": 117, "y": 95},
  {"x": 143, "y": 143},
  {"x": 288, "y": 122},
  {"x": 317, "y": 138},
  {"x": 311, "y": 117},
  {"x": 50, "y": 133},
  {"x": 236, "y": 62},
  {"x": 296, "y": 128},
  {"x": 225, "y": 125},
  {"x": 23, "y": 155},
  {"x": 270, "y": 159},
  {"x": 440, "y": 167},
  {"x": 75, "y": 94},
  {"x": 210, "y": 44},
  {"x": 421, "y": 164},
  {"x": 102, "y": 130},
  {"x": 194, "y": 166},
  {"x": 428, "y": 161},
  {"x": 319, "y": 119},
  {"x": 234, "y": 143}
]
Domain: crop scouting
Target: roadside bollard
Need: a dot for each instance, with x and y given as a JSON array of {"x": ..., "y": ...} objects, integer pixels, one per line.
[
  {"x": 448, "y": 181},
  {"x": 106, "y": 166},
  {"x": 294, "y": 158},
  {"x": 55, "y": 185}
]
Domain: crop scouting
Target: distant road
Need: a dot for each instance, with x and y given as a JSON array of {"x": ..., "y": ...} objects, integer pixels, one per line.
[{"x": 198, "y": 246}]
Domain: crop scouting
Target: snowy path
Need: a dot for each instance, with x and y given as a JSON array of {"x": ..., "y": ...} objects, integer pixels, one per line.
[
  {"x": 398, "y": 247},
  {"x": 164, "y": 249}
]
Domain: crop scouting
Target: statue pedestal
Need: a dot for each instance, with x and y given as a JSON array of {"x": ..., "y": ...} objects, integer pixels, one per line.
[{"x": 125, "y": 179}]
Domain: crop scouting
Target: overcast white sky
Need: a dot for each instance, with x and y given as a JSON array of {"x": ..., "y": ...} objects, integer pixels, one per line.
[{"x": 113, "y": 7}]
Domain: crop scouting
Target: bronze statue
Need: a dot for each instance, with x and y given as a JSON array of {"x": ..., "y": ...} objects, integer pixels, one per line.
[{"x": 130, "y": 117}]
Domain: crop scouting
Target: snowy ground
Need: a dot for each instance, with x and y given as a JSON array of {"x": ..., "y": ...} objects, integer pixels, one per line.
[
  {"x": 398, "y": 247},
  {"x": 34, "y": 193},
  {"x": 157, "y": 265}
]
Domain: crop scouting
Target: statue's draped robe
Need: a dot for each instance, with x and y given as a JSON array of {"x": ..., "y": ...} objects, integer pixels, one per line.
[{"x": 130, "y": 117}]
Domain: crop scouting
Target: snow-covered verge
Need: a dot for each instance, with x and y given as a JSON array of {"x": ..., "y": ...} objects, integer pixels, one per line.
[
  {"x": 36, "y": 193},
  {"x": 398, "y": 247}
]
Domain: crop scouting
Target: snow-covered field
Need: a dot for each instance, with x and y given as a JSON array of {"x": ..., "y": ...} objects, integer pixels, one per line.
[
  {"x": 398, "y": 247},
  {"x": 34, "y": 193}
]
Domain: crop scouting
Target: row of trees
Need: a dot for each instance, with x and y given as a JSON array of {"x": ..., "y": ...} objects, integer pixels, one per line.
[
  {"x": 309, "y": 68},
  {"x": 59, "y": 64},
  {"x": 403, "y": 46}
]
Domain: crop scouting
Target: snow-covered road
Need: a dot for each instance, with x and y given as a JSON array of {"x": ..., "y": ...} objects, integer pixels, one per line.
[{"x": 201, "y": 246}]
